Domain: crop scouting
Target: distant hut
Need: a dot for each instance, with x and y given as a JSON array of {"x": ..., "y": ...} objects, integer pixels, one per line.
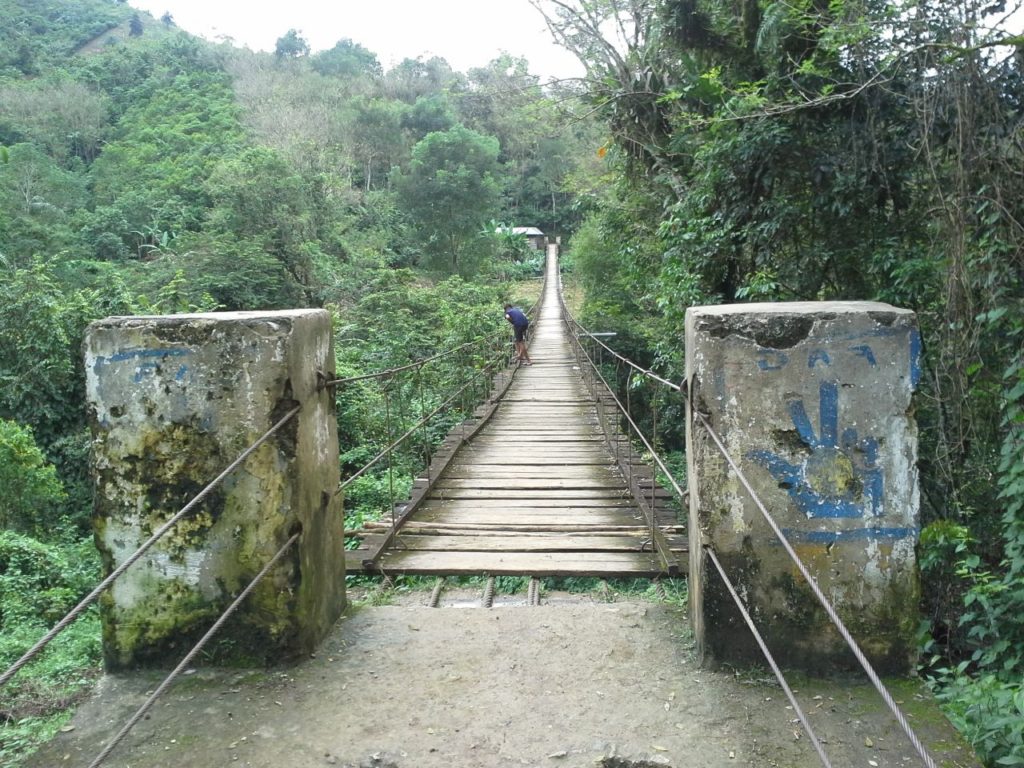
[{"x": 534, "y": 237}]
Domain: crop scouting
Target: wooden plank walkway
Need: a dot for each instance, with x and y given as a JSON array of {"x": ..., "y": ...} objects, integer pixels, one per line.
[{"x": 537, "y": 490}]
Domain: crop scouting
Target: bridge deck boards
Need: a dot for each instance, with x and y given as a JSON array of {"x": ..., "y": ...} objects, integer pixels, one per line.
[{"x": 536, "y": 491}]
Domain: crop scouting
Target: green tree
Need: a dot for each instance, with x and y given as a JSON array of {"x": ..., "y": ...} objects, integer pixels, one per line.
[
  {"x": 135, "y": 28},
  {"x": 30, "y": 493},
  {"x": 377, "y": 140},
  {"x": 412, "y": 78},
  {"x": 346, "y": 59},
  {"x": 257, "y": 199},
  {"x": 450, "y": 191},
  {"x": 66, "y": 118},
  {"x": 429, "y": 114},
  {"x": 40, "y": 330},
  {"x": 155, "y": 167},
  {"x": 39, "y": 198},
  {"x": 291, "y": 45}
]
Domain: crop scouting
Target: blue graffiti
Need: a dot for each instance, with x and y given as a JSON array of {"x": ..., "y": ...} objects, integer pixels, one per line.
[
  {"x": 841, "y": 476},
  {"x": 865, "y": 351},
  {"x": 149, "y": 361},
  {"x": 818, "y": 355},
  {"x": 915, "y": 358},
  {"x": 771, "y": 359},
  {"x": 140, "y": 354},
  {"x": 795, "y": 536}
]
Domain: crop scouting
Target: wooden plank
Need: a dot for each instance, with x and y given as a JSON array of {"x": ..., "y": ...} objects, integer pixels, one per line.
[
  {"x": 531, "y": 521},
  {"x": 597, "y": 460},
  {"x": 530, "y": 516},
  {"x": 512, "y": 446},
  {"x": 554, "y": 493},
  {"x": 583, "y": 505},
  {"x": 522, "y": 563},
  {"x": 586, "y": 484},
  {"x": 536, "y": 542},
  {"x": 547, "y": 470},
  {"x": 469, "y": 529}
]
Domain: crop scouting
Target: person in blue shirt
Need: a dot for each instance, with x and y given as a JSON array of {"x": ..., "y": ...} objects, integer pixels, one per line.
[{"x": 520, "y": 322}]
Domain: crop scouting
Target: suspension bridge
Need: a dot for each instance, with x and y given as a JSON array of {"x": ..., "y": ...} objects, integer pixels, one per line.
[
  {"x": 551, "y": 476},
  {"x": 538, "y": 485}
]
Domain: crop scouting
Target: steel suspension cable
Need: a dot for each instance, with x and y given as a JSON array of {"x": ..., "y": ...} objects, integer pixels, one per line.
[
  {"x": 192, "y": 654},
  {"x": 824, "y": 601},
  {"x": 391, "y": 463},
  {"x": 640, "y": 434},
  {"x": 88, "y": 599},
  {"x": 407, "y": 366},
  {"x": 771, "y": 659},
  {"x": 413, "y": 429},
  {"x": 626, "y": 360}
]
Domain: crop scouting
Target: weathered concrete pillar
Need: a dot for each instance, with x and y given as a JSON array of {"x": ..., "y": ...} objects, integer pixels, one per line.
[
  {"x": 173, "y": 400},
  {"x": 813, "y": 401}
]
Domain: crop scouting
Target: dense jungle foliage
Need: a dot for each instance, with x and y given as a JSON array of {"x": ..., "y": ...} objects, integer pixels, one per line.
[
  {"x": 145, "y": 171},
  {"x": 852, "y": 149},
  {"x": 714, "y": 152}
]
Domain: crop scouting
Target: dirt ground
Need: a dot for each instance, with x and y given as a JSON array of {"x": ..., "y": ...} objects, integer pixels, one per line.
[{"x": 576, "y": 681}]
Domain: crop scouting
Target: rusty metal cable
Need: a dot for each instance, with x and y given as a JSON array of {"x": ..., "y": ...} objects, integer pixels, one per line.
[
  {"x": 407, "y": 366},
  {"x": 657, "y": 458},
  {"x": 770, "y": 659},
  {"x": 412, "y": 430},
  {"x": 88, "y": 599},
  {"x": 579, "y": 329},
  {"x": 829, "y": 609},
  {"x": 191, "y": 654},
  {"x": 435, "y": 594},
  {"x": 391, "y": 463},
  {"x": 824, "y": 601}
]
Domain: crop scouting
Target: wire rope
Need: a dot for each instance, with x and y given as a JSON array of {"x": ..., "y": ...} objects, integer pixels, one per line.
[
  {"x": 822, "y": 599},
  {"x": 191, "y": 654},
  {"x": 366, "y": 467},
  {"x": 88, "y": 599},
  {"x": 770, "y": 659},
  {"x": 407, "y": 366}
]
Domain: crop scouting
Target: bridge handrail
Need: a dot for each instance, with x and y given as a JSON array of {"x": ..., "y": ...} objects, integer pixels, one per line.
[
  {"x": 574, "y": 332},
  {"x": 822, "y": 599},
  {"x": 183, "y": 664},
  {"x": 414, "y": 364},
  {"x": 124, "y": 566},
  {"x": 419, "y": 363},
  {"x": 386, "y": 451},
  {"x": 818, "y": 593}
]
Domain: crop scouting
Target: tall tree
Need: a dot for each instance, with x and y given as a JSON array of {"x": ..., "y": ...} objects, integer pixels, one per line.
[
  {"x": 291, "y": 45},
  {"x": 450, "y": 191}
]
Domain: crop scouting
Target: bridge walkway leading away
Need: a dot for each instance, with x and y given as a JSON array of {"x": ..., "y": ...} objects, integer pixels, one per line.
[{"x": 537, "y": 490}]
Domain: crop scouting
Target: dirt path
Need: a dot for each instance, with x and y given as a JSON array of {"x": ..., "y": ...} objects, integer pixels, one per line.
[{"x": 574, "y": 682}]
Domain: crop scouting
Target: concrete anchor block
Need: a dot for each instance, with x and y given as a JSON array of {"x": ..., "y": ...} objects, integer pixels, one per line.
[
  {"x": 173, "y": 400},
  {"x": 813, "y": 402}
]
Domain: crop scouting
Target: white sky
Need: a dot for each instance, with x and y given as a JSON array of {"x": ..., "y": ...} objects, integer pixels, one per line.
[{"x": 467, "y": 33}]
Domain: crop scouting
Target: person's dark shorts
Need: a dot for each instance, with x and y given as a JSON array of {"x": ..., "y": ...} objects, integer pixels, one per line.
[{"x": 520, "y": 332}]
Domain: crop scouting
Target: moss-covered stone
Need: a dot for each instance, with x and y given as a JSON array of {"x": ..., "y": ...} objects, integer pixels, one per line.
[
  {"x": 812, "y": 400},
  {"x": 174, "y": 400}
]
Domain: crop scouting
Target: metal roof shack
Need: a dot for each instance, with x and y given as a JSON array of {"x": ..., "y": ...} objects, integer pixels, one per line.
[{"x": 534, "y": 237}]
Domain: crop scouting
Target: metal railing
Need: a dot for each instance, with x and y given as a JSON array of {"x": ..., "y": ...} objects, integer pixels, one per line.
[
  {"x": 475, "y": 384},
  {"x": 75, "y": 612},
  {"x": 700, "y": 420}
]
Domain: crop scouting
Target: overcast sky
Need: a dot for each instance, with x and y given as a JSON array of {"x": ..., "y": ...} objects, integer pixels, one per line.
[{"x": 467, "y": 33}]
